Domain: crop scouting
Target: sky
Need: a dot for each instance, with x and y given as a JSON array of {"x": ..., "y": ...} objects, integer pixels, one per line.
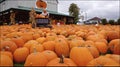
[{"x": 109, "y": 9}]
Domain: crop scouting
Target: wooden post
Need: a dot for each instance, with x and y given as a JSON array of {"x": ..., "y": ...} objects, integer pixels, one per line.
[{"x": 12, "y": 18}]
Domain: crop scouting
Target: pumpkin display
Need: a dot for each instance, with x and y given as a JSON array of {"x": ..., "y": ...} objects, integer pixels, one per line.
[
  {"x": 8, "y": 46},
  {"x": 61, "y": 62},
  {"x": 50, "y": 55},
  {"x": 49, "y": 45},
  {"x": 5, "y": 60},
  {"x": 102, "y": 61},
  {"x": 36, "y": 59},
  {"x": 60, "y": 45},
  {"x": 81, "y": 55},
  {"x": 20, "y": 54}
]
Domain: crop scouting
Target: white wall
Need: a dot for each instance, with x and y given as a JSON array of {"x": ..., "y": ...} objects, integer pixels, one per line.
[{"x": 51, "y": 4}]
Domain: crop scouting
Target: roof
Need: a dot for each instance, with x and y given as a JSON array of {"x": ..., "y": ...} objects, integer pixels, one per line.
[
  {"x": 94, "y": 18},
  {"x": 40, "y": 10}
]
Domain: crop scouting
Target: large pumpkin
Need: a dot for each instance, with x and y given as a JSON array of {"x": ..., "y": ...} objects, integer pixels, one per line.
[
  {"x": 37, "y": 47},
  {"x": 21, "y": 54},
  {"x": 36, "y": 59},
  {"x": 113, "y": 35},
  {"x": 80, "y": 55},
  {"x": 5, "y": 61},
  {"x": 61, "y": 47}
]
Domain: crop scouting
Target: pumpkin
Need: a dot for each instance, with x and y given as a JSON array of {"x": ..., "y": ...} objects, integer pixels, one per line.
[
  {"x": 112, "y": 35},
  {"x": 49, "y": 45},
  {"x": 27, "y": 36},
  {"x": 114, "y": 57},
  {"x": 102, "y": 47},
  {"x": 50, "y": 55},
  {"x": 19, "y": 41},
  {"x": 61, "y": 62},
  {"x": 36, "y": 59},
  {"x": 80, "y": 55},
  {"x": 8, "y": 46},
  {"x": 76, "y": 43},
  {"x": 5, "y": 60},
  {"x": 93, "y": 50},
  {"x": 114, "y": 46},
  {"x": 38, "y": 48},
  {"x": 102, "y": 61},
  {"x": 21, "y": 54},
  {"x": 36, "y": 35},
  {"x": 30, "y": 43},
  {"x": 60, "y": 45},
  {"x": 6, "y": 53},
  {"x": 41, "y": 40}
]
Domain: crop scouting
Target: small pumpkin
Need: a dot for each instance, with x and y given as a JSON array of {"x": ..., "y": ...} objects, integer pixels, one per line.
[{"x": 38, "y": 48}]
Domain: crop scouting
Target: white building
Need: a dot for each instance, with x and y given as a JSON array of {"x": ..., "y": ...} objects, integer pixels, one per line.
[{"x": 52, "y": 5}]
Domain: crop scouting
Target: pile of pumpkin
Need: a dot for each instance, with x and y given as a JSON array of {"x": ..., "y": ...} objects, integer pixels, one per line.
[{"x": 63, "y": 45}]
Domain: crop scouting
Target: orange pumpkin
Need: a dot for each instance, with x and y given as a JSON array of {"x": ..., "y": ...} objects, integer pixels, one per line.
[
  {"x": 30, "y": 43},
  {"x": 8, "y": 46},
  {"x": 114, "y": 46},
  {"x": 36, "y": 59},
  {"x": 102, "y": 47},
  {"x": 5, "y": 61},
  {"x": 38, "y": 47},
  {"x": 27, "y": 36},
  {"x": 113, "y": 35},
  {"x": 41, "y": 40},
  {"x": 102, "y": 61},
  {"x": 80, "y": 55},
  {"x": 49, "y": 45},
  {"x": 61, "y": 62},
  {"x": 19, "y": 41},
  {"x": 50, "y": 55},
  {"x": 36, "y": 35},
  {"x": 6, "y": 53},
  {"x": 114, "y": 57},
  {"x": 61, "y": 47},
  {"x": 21, "y": 54}
]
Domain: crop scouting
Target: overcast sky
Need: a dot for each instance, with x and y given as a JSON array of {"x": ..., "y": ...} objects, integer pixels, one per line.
[{"x": 102, "y": 8}]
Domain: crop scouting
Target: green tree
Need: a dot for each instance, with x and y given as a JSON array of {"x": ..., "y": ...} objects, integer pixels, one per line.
[
  {"x": 104, "y": 21},
  {"x": 118, "y": 21},
  {"x": 112, "y": 22},
  {"x": 74, "y": 11}
]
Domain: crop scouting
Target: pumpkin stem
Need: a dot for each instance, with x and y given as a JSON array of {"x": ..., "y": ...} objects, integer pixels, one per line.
[
  {"x": 35, "y": 51},
  {"x": 61, "y": 59},
  {"x": 6, "y": 48}
]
